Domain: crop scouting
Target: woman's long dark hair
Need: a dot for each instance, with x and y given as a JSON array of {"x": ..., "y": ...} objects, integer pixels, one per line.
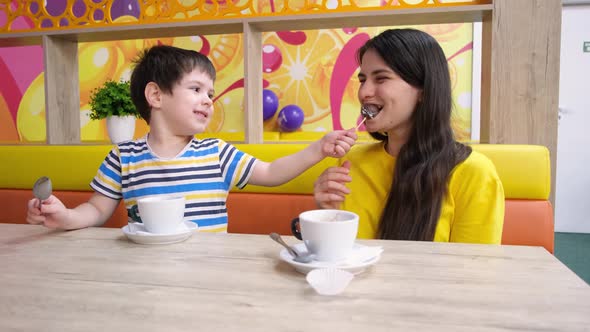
[{"x": 425, "y": 161}]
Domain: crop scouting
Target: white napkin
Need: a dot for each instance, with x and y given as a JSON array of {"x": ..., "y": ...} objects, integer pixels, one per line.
[{"x": 361, "y": 255}]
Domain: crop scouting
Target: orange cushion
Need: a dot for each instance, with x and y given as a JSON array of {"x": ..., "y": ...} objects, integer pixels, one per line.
[
  {"x": 526, "y": 222},
  {"x": 529, "y": 222},
  {"x": 14, "y": 205},
  {"x": 265, "y": 213}
]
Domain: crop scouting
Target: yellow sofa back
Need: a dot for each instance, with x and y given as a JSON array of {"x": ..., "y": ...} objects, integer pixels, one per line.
[{"x": 523, "y": 169}]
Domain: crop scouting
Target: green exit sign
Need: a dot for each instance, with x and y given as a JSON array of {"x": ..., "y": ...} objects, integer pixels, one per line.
[{"x": 587, "y": 47}]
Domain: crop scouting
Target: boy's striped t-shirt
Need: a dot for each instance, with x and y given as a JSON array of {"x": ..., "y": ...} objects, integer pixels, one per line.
[{"x": 203, "y": 172}]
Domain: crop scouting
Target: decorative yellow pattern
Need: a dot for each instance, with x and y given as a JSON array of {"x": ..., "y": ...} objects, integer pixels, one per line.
[
  {"x": 298, "y": 67},
  {"x": 68, "y": 14}
]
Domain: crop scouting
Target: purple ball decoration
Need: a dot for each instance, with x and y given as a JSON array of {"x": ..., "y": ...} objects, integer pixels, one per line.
[
  {"x": 79, "y": 8},
  {"x": 124, "y": 7},
  {"x": 56, "y": 7},
  {"x": 270, "y": 104},
  {"x": 290, "y": 118}
]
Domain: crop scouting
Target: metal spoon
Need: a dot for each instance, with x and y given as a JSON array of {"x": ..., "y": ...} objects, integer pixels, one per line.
[
  {"x": 369, "y": 112},
  {"x": 42, "y": 189},
  {"x": 297, "y": 257}
]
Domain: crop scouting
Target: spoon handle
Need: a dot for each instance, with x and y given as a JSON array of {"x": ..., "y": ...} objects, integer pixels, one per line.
[
  {"x": 279, "y": 240},
  {"x": 360, "y": 123}
]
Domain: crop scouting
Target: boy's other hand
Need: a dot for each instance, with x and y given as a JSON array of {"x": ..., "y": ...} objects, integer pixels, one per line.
[
  {"x": 51, "y": 212},
  {"x": 337, "y": 143}
]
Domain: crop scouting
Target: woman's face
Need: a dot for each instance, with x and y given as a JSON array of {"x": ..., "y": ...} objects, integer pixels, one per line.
[{"x": 384, "y": 90}]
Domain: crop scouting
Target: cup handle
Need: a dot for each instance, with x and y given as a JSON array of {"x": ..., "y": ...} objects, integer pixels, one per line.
[
  {"x": 133, "y": 214},
  {"x": 295, "y": 228}
]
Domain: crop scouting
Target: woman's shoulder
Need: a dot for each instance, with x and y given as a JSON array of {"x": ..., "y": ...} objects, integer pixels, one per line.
[
  {"x": 476, "y": 165},
  {"x": 477, "y": 160}
]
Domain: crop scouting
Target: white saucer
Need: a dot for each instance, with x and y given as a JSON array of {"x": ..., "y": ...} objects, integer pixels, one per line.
[
  {"x": 141, "y": 236},
  {"x": 354, "y": 268}
]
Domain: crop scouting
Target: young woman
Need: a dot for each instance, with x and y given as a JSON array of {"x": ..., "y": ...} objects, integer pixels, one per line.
[{"x": 418, "y": 182}]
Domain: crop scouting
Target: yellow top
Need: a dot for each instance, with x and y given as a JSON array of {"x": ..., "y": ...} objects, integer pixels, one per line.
[{"x": 472, "y": 211}]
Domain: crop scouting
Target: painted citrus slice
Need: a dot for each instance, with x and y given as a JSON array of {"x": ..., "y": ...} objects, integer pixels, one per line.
[
  {"x": 30, "y": 119},
  {"x": 303, "y": 78},
  {"x": 98, "y": 62},
  {"x": 216, "y": 122},
  {"x": 221, "y": 49},
  {"x": 8, "y": 130}
]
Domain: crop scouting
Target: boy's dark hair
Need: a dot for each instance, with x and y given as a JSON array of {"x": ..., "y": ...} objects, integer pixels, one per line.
[{"x": 165, "y": 66}]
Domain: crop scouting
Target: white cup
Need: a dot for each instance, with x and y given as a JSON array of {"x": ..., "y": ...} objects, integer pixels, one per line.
[
  {"x": 329, "y": 234},
  {"x": 161, "y": 214}
]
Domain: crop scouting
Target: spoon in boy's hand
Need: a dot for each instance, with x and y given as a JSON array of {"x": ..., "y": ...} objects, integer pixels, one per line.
[
  {"x": 42, "y": 189},
  {"x": 360, "y": 123},
  {"x": 297, "y": 257},
  {"x": 367, "y": 113}
]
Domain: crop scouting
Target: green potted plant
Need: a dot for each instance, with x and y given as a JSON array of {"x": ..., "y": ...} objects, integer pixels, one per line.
[{"x": 112, "y": 101}]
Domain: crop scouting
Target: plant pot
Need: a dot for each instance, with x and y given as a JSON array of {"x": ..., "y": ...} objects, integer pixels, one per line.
[{"x": 121, "y": 128}]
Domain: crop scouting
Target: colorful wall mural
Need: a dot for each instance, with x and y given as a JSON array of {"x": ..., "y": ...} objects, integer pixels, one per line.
[{"x": 314, "y": 70}]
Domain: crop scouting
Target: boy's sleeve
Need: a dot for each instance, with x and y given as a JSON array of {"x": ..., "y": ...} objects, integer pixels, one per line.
[
  {"x": 236, "y": 166},
  {"x": 479, "y": 204},
  {"x": 108, "y": 177}
]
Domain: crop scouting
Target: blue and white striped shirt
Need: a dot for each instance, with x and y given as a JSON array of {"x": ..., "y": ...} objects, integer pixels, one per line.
[{"x": 204, "y": 172}]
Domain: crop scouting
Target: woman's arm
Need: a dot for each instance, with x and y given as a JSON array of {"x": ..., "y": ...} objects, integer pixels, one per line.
[{"x": 478, "y": 195}]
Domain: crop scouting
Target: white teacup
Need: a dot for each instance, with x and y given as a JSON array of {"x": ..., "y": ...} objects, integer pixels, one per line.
[
  {"x": 161, "y": 214},
  {"x": 329, "y": 234}
]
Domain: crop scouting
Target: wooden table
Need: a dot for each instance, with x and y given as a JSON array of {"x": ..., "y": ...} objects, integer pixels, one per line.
[{"x": 96, "y": 280}]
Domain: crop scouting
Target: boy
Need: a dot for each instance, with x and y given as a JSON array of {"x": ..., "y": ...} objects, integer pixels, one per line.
[{"x": 172, "y": 89}]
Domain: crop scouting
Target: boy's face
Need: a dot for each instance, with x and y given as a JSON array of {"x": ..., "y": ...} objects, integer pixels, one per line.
[{"x": 188, "y": 110}]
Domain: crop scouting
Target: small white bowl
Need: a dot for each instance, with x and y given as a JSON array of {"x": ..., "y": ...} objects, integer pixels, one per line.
[{"x": 329, "y": 281}]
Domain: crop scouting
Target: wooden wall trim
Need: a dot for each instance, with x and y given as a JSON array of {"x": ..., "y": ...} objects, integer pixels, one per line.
[
  {"x": 253, "y": 84},
  {"x": 524, "y": 84},
  {"x": 62, "y": 91}
]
